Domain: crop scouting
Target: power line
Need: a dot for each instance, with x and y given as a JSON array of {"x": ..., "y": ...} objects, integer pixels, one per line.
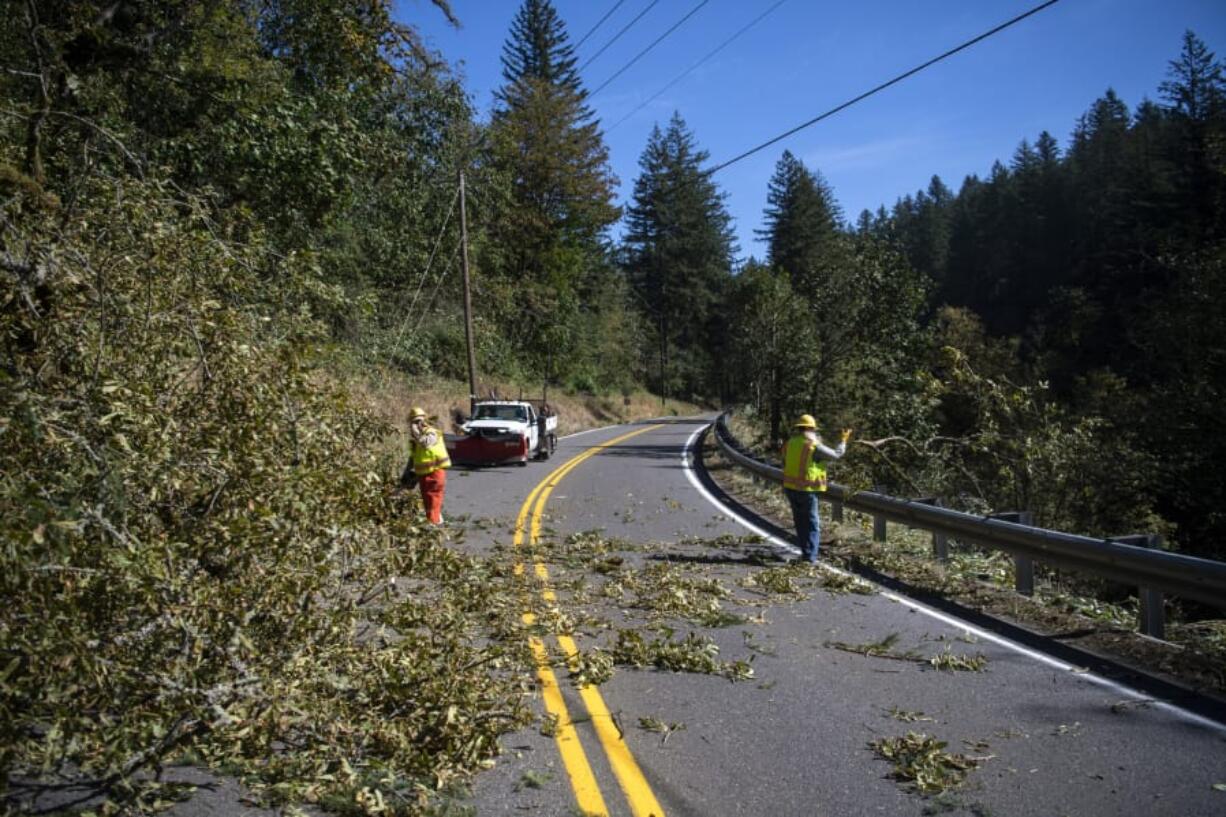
[
  {"x": 695, "y": 66},
  {"x": 434, "y": 295},
  {"x": 599, "y": 23},
  {"x": 625, "y": 28},
  {"x": 424, "y": 277},
  {"x": 654, "y": 43},
  {"x": 883, "y": 86},
  {"x": 426, "y": 274}
]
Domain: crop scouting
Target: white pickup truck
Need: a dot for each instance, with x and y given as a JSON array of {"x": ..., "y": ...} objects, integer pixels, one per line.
[{"x": 505, "y": 431}]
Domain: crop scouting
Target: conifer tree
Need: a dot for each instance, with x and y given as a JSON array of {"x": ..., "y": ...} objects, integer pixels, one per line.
[
  {"x": 538, "y": 50},
  {"x": 1195, "y": 93},
  {"x": 854, "y": 302},
  {"x": 547, "y": 143},
  {"x": 803, "y": 222},
  {"x": 679, "y": 252},
  {"x": 548, "y": 138},
  {"x": 921, "y": 225},
  {"x": 1195, "y": 89}
]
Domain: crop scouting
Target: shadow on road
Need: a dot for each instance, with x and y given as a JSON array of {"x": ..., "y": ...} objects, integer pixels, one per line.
[
  {"x": 645, "y": 451},
  {"x": 759, "y": 557},
  {"x": 674, "y": 421}
]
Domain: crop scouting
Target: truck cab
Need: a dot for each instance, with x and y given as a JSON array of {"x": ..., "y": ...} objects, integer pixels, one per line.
[{"x": 505, "y": 431}]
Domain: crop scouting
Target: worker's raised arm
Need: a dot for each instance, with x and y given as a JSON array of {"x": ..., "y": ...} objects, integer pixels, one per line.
[{"x": 821, "y": 451}]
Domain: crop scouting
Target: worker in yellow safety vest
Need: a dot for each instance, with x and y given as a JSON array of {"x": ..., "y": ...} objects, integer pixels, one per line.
[
  {"x": 429, "y": 459},
  {"x": 804, "y": 476}
]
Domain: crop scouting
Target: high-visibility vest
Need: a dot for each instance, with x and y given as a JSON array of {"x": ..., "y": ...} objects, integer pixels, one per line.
[
  {"x": 428, "y": 459},
  {"x": 801, "y": 472}
]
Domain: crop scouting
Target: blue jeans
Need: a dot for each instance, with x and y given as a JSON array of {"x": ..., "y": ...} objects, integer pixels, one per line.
[{"x": 808, "y": 523}]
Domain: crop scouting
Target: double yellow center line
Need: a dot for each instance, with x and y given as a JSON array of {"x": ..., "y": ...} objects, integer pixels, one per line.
[{"x": 638, "y": 793}]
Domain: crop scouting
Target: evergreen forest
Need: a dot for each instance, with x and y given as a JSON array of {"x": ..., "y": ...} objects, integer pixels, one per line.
[{"x": 223, "y": 224}]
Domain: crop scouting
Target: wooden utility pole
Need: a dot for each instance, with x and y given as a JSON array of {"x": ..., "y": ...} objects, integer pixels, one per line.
[{"x": 468, "y": 305}]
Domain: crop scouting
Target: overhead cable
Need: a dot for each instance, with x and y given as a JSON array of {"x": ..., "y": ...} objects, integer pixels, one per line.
[
  {"x": 696, "y": 65},
  {"x": 599, "y": 23},
  {"x": 426, "y": 273},
  {"x": 882, "y": 86},
  {"x": 438, "y": 284},
  {"x": 654, "y": 43},
  {"x": 625, "y": 28}
]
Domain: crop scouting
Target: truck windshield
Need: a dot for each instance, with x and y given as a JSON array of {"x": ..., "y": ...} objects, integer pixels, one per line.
[{"x": 517, "y": 414}]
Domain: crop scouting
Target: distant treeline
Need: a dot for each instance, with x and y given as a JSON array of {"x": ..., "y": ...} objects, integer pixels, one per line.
[
  {"x": 1097, "y": 274},
  {"x": 1044, "y": 338}
]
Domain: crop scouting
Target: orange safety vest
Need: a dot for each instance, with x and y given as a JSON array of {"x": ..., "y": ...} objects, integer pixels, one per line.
[
  {"x": 428, "y": 459},
  {"x": 801, "y": 472}
]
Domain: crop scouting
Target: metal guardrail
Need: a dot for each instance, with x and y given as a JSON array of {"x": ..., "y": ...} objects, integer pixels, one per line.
[{"x": 1153, "y": 571}]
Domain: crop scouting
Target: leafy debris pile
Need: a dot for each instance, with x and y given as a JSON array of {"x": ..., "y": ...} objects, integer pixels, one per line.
[
  {"x": 780, "y": 581},
  {"x": 958, "y": 662},
  {"x": 694, "y": 653},
  {"x": 202, "y": 547},
  {"x": 664, "y": 590},
  {"x": 922, "y": 762},
  {"x": 650, "y": 724}
]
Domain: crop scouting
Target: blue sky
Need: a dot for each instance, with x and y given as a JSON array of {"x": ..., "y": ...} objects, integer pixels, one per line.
[{"x": 805, "y": 57}]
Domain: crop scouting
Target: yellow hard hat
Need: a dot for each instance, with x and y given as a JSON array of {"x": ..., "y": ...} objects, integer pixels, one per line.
[
  {"x": 415, "y": 412},
  {"x": 805, "y": 421}
]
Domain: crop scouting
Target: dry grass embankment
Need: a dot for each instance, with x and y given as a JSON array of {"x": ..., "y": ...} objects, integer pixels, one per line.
[{"x": 390, "y": 396}]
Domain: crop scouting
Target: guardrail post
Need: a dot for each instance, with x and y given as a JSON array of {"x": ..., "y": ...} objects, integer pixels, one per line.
[
  {"x": 836, "y": 510},
  {"x": 1023, "y": 566},
  {"x": 878, "y": 528},
  {"x": 940, "y": 543},
  {"x": 1151, "y": 617}
]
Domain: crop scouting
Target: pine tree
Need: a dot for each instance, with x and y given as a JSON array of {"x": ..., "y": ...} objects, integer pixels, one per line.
[
  {"x": 679, "y": 252},
  {"x": 1196, "y": 88},
  {"x": 853, "y": 301},
  {"x": 538, "y": 50},
  {"x": 547, "y": 143},
  {"x": 548, "y": 139},
  {"x": 1048, "y": 150},
  {"x": 1195, "y": 92},
  {"x": 921, "y": 226},
  {"x": 803, "y": 222}
]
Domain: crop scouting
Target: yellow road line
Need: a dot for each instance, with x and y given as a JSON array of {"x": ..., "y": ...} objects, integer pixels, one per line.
[
  {"x": 582, "y": 780},
  {"x": 638, "y": 793}
]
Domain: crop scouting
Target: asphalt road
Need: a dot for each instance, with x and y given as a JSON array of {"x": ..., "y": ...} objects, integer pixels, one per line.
[{"x": 794, "y": 740}]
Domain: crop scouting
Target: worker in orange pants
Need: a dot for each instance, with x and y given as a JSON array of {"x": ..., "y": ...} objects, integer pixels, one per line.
[
  {"x": 428, "y": 456},
  {"x": 432, "y": 487}
]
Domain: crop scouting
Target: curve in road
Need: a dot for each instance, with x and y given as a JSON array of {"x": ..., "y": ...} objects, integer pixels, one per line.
[{"x": 796, "y": 742}]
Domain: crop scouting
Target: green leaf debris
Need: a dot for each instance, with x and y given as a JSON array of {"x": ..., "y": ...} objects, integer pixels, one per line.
[{"x": 922, "y": 762}]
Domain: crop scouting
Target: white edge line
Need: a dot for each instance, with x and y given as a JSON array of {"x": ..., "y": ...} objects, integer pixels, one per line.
[
  {"x": 1116, "y": 686},
  {"x": 587, "y": 431}
]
